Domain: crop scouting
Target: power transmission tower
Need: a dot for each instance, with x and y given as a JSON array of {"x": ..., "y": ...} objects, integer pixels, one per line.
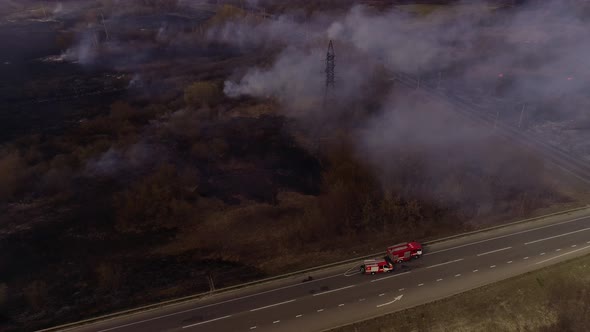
[
  {"x": 328, "y": 98},
  {"x": 330, "y": 65},
  {"x": 106, "y": 32}
]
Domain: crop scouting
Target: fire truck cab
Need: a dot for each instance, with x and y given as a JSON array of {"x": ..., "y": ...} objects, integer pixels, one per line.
[
  {"x": 403, "y": 252},
  {"x": 372, "y": 266}
]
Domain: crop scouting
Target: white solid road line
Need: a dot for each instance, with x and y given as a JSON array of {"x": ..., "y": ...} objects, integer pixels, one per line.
[
  {"x": 393, "y": 276},
  {"x": 272, "y": 305},
  {"x": 493, "y": 251},
  {"x": 503, "y": 236},
  {"x": 567, "y": 253},
  {"x": 333, "y": 290},
  {"x": 207, "y": 321},
  {"x": 445, "y": 263},
  {"x": 214, "y": 304},
  {"x": 556, "y": 236}
]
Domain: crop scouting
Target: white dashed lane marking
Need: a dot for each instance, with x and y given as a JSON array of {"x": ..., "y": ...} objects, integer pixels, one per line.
[
  {"x": 567, "y": 253},
  {"x": 507, "y": 235},
  {"x": 207, "y": 321},
  {"x": 253, "y": 328},
  {"x": 509, "y": 262},
  {"x": 574, "y": 245},
  {"x": 393, "y": 276},
  {"x": 493, "y": 251},
  {"x": 320, "y": 310},
  {"x": 381, "y": 294},
  {"x": 557, "y": 250},
  {"x": 438, "y": 279},
  {"x": 560, "y": 235},
  {"x": 361, "y": 300},
  {"x": 401, "y": 289},
  {"x": 341, "y": 305},
  {"x": 475, "y": 270},
  {"x": 420, "y": 285},
  {"x": 457, "y": 275},
  {"x": 276, "y": 321},
  {"x": 445, "y": 263},
  {"x": 298, "y": 316},
  {"x": 542, "y": 254},
  {"x": 527, "y": 257},
  {"x": 492, "y": 266},
  {"x": 272, "y": 305},
  {"x": 333, "y": 290}
]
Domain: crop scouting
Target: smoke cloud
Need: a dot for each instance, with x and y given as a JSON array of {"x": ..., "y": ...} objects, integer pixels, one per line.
[{"x": 535, "y": 54}]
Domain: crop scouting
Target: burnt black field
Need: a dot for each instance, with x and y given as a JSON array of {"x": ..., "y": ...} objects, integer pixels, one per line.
[{"x": 40, "y": 97}]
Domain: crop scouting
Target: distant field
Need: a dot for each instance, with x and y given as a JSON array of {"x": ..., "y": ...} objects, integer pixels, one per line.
[{"x": 555, "y": 298}]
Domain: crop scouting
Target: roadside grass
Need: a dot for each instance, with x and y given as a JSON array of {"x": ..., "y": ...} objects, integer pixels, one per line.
[{"x": 555, "y": 298}]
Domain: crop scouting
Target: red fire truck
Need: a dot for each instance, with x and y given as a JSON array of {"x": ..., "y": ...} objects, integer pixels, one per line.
[
  {"x": 372, "y": 266},
  {"x": 403, "y": 252}
]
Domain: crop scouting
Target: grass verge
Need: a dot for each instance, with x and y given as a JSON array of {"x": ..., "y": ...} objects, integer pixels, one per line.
[{"x": 555, "y": 298}]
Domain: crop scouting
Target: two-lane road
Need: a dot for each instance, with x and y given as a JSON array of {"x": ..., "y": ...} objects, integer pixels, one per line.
[{"x": 341, "y": 295}]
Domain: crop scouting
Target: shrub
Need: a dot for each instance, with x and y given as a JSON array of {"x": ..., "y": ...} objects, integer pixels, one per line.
[
  {"x": 202, "y": 93},
  {"x": 36, "y": 294},
  {"x": 154, "y": 203},
  {"x": 12, "y": 168}
]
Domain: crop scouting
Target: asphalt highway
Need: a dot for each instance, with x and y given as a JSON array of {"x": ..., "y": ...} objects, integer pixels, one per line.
[{"x": 341, "y": 295}]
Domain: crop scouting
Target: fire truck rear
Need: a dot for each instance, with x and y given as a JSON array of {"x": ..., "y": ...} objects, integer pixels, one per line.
[{"x": 403, "y": 252}]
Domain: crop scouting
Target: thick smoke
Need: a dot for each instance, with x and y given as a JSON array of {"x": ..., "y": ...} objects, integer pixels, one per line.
[
  {"x": 538, "y": 50},
  {"x": 535, "y": 54}
]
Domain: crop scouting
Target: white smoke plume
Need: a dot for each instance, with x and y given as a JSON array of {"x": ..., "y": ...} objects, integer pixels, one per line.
[{"x": 538, "y": 52}]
